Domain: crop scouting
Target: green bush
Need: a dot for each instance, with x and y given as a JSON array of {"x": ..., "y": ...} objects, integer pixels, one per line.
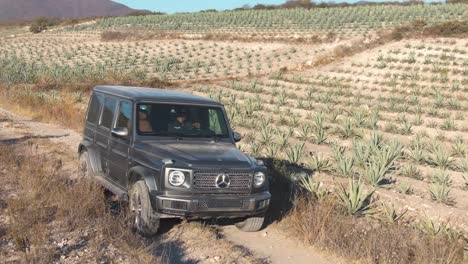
[{"x": 40, "y": 24}]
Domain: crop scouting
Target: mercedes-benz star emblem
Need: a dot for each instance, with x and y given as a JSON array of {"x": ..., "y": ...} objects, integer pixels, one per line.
[{"x": 223, "y": 181}]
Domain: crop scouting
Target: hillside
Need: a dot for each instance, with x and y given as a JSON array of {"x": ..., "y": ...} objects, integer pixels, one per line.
[{"x": 16, "y": 10}]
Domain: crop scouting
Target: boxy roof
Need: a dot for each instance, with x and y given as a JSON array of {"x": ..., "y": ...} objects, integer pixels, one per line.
[{"x": 141, "y": 94}]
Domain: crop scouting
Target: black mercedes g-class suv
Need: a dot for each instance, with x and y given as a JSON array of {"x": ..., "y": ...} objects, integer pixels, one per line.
[{"x": 171, "y": 155}]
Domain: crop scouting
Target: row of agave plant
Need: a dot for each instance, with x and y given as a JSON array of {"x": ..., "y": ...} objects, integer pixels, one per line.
[
  {"x": 298, "y": 19},
  {"x": 412, "y": 111},
  {"x": 323, "y": 129},
  {"x": 371, "y": 160}
]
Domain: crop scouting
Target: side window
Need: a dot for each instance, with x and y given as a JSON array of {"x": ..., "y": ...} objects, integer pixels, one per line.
[
  {"x": 94, "y": 108},
  {"x": 108, "y": 112},
  {"x": 124, "y": 118},
  {"x": 215, "y": 120}
]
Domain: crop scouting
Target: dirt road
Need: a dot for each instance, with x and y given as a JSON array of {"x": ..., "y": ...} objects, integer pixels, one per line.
[{"x": 268, "y": 246}]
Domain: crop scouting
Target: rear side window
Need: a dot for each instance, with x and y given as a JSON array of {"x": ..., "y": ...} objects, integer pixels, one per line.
[
  {"x": 108, "y": 112},
  {"x": 124, "y": 118},
  {"x": 94, "y": 108}
]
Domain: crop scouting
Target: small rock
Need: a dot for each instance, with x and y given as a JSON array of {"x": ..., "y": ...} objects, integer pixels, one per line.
[
  {"x": 265, "y": 234},
  {"x": 217, "y": 258}
]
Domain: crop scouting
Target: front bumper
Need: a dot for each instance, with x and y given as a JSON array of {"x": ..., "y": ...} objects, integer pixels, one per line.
[{"x": 212, "y": 206}]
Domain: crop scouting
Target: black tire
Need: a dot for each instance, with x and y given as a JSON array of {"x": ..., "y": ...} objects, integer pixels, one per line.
[
  {"x": 251, "y": 224},
  {"x": 84, "y": 168},
  {"x": 145, "y": 219}
]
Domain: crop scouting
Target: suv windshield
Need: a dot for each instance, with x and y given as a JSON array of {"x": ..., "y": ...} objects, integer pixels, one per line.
[{"x": 174, "y": 120}]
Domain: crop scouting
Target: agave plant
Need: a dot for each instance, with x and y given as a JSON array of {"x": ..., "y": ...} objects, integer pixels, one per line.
[
  {"x": 438, "y": 156},
  {"x": 441, "y": 193},
  {"x": 319, "y": 163},
  {"x": 405, "y": 188},
  {"x": 373, "y": 121},
  {"x": 355, "y": 200},
  {"x": 361, "y": 153},
  {"x": 344, "y": 163},
  {"x": 271, "y": 150},
  {"x": 347, "y": 129},
  {"x": 282, "y": 139},
  {"x": 266, "y": 135},
  {"x": 464, "y": 164},
  {"x": 390, "y": 214},
  {"x": 305, "y": 132},
  {"x": 381, "y": 162},
  {"x": 459, "y": 148},
  {"x": 441, "y": 176},
  {"x": 376, "y": 139},
  {"x": 295, "y": 152},
  {"x": 315, "y": 188},
  {"x": 255, "y": 149},
  {"x": 375, "y": 170},
  {"x": 410, "y": 171},
  {"x": 433, "y": 228}
]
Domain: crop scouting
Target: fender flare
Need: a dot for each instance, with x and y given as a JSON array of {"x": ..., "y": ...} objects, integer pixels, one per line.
[
  {"x": 94, "y": 156},
  {"x": 142, "y": 173}
]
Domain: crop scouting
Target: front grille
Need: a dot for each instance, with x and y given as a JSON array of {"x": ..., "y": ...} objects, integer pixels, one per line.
[{"x": 204, "y": 181}]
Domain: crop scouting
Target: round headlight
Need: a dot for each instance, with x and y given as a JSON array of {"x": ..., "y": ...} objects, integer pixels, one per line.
[
  {"x": 176, "y": 178},
  {"x": 259, "y": 179}
]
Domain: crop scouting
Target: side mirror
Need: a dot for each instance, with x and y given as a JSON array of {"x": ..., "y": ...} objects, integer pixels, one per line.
[
  {"x": 120, "y": 132},
  {"x": 237, "y": 136}
]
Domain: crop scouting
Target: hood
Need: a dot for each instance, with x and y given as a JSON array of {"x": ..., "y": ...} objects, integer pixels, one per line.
[{"x": 199, "y": 153}]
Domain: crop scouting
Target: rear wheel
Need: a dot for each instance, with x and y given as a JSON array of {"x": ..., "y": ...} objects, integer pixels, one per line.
[
  {"x": 145, "y": 219},
  {"x": 251, "y": 224},
  {"x": 84, "y": 165}
]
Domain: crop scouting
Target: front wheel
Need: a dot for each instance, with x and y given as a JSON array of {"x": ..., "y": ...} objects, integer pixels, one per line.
[
  {"x": 145, "y": 219},
  {"x": 251, "y": 224}
]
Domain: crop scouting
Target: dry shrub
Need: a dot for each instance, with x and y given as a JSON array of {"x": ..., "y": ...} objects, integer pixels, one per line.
[
  {"x": 449, "y": 28},
  {"x": 419, "y": 28},
  {"x": 325, "y": 225},
  {"x": 48, "y": 201},
  {"x": 115, "y": 35}
]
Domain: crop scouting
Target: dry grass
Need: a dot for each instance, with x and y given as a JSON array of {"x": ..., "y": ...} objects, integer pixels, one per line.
[
  {"x": 62, "y": 103},
  {"x": 64, "y": 110},
  {"x": 44, "y": 201},
  {"x": 325, "y": 225}
]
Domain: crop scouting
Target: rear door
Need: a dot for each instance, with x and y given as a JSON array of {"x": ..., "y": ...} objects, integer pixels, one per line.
[
  {"x": 119, "y": 147},
  {"x": 92, "y": 117},
  {"x": 103, "y": 131}
]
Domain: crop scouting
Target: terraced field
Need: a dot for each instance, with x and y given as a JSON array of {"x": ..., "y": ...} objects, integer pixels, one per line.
[
  {"x": 396, "y": 118},
  {"x": 347, "y": 21},
  {"x": 67, "y": 56}
]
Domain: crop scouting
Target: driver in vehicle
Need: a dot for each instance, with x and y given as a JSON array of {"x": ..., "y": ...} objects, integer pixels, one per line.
[
  {"x": 180, "y": 125},
  {"x": 198, "y": 130}
]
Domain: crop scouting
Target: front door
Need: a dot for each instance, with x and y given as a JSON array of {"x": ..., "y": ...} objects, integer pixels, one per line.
[{"x": 119, "y": 146}]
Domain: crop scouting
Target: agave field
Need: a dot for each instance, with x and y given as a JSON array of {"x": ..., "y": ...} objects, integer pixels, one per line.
[
  {"x": 396, "y": 120},
  {"x": 389, "y": 123},
  {"x": 69, "y": 57},
  {"x": 355, "y": 20}
]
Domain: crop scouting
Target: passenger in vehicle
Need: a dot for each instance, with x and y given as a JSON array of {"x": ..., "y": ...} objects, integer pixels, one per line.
[
  {"x": 180, "y": 125},
  {"x": 144, "y": 124}
]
